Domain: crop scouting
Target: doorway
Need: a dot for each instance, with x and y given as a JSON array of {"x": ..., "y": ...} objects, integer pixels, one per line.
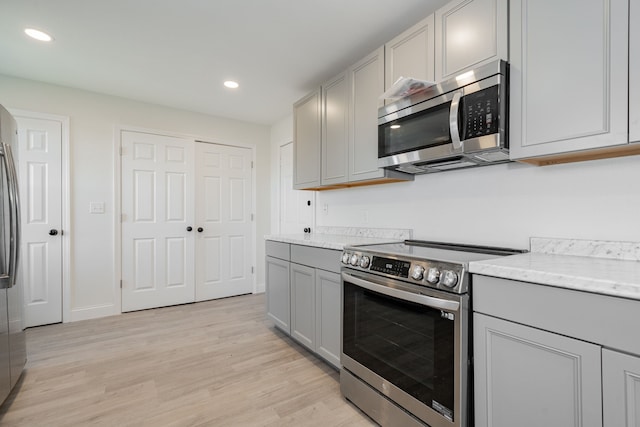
[
  {"x": 186, "y": 222},
  {"x": 43, "y": 147}
]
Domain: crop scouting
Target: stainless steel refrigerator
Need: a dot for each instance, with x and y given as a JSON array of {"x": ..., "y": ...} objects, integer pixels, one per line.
[{"x": 13, "y": 352}]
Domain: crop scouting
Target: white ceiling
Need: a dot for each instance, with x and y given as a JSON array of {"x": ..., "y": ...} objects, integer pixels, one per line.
[{"x": 178, "y": 52}]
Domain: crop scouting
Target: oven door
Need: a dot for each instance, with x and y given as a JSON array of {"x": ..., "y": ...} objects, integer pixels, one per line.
[{"x": 409, "y": 343}]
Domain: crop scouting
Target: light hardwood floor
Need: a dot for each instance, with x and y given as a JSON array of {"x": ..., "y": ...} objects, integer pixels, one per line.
[{"x": 216, "y": 363}]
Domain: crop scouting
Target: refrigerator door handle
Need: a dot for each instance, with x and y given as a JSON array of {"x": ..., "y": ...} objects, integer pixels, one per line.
[
  {"x": 14, "y": 217},
  {"x": 5, "y": 274}
]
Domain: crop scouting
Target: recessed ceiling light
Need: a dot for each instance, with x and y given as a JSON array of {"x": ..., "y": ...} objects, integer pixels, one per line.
[
  {"x": 38, "y": 35},
  {"x": 231, "y": 84}
]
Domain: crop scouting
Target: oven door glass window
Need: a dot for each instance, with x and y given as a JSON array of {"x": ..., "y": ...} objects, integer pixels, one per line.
[
  {"x": 416, "y": 131},
  {"x": 407, "y": 344}
]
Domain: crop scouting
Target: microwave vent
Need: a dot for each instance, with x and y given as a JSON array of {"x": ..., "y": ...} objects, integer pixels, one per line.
[{"x": 492, "y": 156}]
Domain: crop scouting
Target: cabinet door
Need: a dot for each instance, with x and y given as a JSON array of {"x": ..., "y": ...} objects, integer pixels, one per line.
[
  {"x": 328, "y": 316},
  {"x": 278, "y": 292},
  {"x": 411, "y": 54},
  {"x": 367, "y": 84},
  {"x": 621, "y": 389},
  {"x": 569, "y": 75},
  {"x": 303, "y": 313},
  {"x": 470, "y": 33},
  {"x": 306, "y": 142},
  {"x": 335, "y": 130},
  {"x": 634, "y": 72},
  {"x": 527, "y": 377}
]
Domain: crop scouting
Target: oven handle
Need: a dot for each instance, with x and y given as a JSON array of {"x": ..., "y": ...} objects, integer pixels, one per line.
[
  {"x": 453, "y": 121},
  {"x": 426, "y": 300}
]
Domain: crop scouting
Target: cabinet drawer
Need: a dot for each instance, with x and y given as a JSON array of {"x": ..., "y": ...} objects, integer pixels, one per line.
[
  {"x": 325, "y": 259},
  {"x": 601, "y": 319},
  {"x": 277, "y": 249}
]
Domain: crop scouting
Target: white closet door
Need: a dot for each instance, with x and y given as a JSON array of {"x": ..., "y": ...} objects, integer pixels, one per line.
[
  {"x": 223, "y": 213},
  {"x": 157, "y": 209},
  {"x": 40, "y": 174}
]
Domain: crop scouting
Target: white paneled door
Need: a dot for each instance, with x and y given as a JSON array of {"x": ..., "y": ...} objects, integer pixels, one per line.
[
  {"x": 39, "y": 163},
  {"x": 157, "y": 199},
  {"x": 223, "y": 221},
  {"x": 296, "y": 206},
  {"x": 186, "y": 221}
]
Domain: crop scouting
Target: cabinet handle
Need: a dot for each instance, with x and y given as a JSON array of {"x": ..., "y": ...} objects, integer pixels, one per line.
[
  {"x": 189, "y": 228},
  {"x": 200, "y": 229}
]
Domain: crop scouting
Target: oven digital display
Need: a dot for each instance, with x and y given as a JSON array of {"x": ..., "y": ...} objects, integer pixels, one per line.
[{"x": 390, "y": 266}]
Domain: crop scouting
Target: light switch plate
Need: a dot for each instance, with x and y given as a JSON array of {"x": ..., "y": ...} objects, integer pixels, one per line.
[{"x": 96, "y": 207}]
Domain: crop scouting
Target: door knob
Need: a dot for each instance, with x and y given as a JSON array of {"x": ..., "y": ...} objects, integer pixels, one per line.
[
  {"x": 200, "y": 229},
  {"x": 189, "y": 228},
  {"x": 53, "y": 232}
]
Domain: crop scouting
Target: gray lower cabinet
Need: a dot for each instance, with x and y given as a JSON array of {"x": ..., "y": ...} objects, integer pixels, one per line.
[
  {"x": 527, "y": 377},
  {"x": 278, "y": 291},
  {"x": 303, "y": 296},
  {"x": 621, "y": 389},
  {"x": 549, "y": 356},
  {"x": 328, "y": 297}
]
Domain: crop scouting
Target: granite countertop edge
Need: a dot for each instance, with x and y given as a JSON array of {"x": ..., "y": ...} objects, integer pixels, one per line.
[
  {"x": 328, "y": 241},
  {"x": 612, "y": 277}
]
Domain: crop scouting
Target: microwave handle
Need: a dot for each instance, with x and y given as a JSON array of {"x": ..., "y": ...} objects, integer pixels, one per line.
[{"x": 453, "y": 121}]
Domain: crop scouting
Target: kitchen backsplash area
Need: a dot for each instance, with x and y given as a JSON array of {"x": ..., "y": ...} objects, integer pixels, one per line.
[
  {"x": 627, "y": 251},
  {"x": 377, "y": 233}
]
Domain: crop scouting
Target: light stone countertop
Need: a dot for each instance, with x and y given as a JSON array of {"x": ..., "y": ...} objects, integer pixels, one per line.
[
  {"x": 339, "y": 237},
  {"x": 603, "y": 267}
]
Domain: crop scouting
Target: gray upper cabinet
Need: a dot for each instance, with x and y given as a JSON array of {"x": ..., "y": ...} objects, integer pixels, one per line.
[
  {"x": 367, "y": 84},
  {"x": 621, "y": 389},
  {"x": 634, "y": 72},
  {"x": 411, "y": 54},
  {"x": 469, "y": 33},
  {"x": 569, "y": 76},
  {"x": 335, "y": 130},
  {"x": 306, "y": 138},
  {"x": 556, "y": 380}
]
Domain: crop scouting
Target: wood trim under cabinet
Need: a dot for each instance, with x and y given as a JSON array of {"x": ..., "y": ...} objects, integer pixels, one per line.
[{"x": 582, "y": 156}]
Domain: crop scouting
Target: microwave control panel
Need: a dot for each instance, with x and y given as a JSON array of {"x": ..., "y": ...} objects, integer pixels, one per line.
[{"x": 481, "y": 111}]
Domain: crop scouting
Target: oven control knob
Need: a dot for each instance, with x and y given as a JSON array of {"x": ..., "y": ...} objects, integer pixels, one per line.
[
  {"x": 417, "y": 273},
  {"x": 364, "y": 261},
  {"x": 433, "y": 275},
  {"x": 354, "y": 259},
  {"x": 345, "y": 257},
  {"x": 449, "y": 278}
]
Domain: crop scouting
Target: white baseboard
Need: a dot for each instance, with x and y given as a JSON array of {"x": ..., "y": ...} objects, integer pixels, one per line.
[
  {"x": 260, "y": 288},
  {"x": 94, "y": 312}
]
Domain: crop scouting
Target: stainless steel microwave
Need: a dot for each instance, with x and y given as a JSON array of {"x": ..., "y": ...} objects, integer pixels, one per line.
[{"x": 458, "y": 123}]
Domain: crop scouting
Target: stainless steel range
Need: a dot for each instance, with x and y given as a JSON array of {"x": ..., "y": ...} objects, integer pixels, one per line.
[{"x": 406, "y": 341}]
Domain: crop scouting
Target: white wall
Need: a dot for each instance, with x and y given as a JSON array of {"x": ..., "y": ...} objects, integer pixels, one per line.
[
  {"x": 93, "y": 119},
  {"x": 500, "y": 205},
  {"x": 281, "y": 134}
]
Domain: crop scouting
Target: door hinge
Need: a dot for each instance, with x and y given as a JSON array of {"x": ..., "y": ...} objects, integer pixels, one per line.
[
  {"x": 123, "y": 217},
  {"x": 120, "y": 284},
  {"x": 252, "y": 269},
  {"x": 251, "y": 164},
  {"x": 121, "y": 151},
  {"x": 251, "y": 217}
]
